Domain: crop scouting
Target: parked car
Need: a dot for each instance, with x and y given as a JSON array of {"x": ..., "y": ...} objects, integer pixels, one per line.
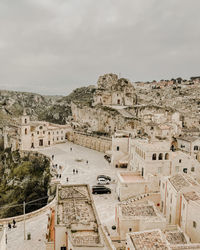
[
  {"x": 104, "y": 177},
  {"x": 100, "y": 190},
  {"x": 103, "y": 181}
]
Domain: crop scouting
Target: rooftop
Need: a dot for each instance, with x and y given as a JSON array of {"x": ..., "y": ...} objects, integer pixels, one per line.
[
  {"x": 157, "y": 240},
  {"x": 147, "y": 240},
  {"x": 175, "y": 237},
  {"x": 181, "y": 181},
  {"x": 193, "y": 196},
  {"x": 130, "y": 177},
  {"x": 138, "y": 210},
  {"x": 75, "y": 211},
  {"x": 188, "y": 138}
]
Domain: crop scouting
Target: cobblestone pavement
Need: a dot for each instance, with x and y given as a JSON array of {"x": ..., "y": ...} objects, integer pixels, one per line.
[{"x": 87, "y": 173}]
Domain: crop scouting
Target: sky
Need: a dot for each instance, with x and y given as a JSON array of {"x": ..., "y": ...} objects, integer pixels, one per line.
[{"x": 54, "y": 46}]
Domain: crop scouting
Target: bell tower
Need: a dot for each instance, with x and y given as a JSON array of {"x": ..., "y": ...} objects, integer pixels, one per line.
[{"x": 25, "y": 131}]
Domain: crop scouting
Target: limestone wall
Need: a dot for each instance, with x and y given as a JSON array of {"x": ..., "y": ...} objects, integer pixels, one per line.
[{"x": 97, "y": 143}]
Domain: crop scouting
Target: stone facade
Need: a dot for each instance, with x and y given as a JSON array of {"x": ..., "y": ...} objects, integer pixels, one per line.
[
  {"x": 112, "y": 90},
  {"x": 28, "y": 135}
]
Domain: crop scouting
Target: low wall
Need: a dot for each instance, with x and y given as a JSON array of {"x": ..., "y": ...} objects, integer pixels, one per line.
[
  {"x": 29, "y": 215},
  {"x": 97, "y": 143}
]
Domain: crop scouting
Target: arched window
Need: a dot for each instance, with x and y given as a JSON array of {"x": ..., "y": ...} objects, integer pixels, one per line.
[
  {"x": 25, "y": 121},
  {"x": 25, "y": 131},
  {"x": 160, "y": 157},
  {"x": 166, "y": 156},
  {"x": 154, "y": 157},
  {"x": 196, "y": 148}
]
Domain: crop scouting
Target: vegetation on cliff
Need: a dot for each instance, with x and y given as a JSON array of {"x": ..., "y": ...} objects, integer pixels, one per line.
[{"x": 22, "y": 178}]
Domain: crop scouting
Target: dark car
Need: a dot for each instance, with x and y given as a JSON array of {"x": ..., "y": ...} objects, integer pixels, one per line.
[
  {"x": 104, "y": 177},
  {"x": 100, "y": 190}
]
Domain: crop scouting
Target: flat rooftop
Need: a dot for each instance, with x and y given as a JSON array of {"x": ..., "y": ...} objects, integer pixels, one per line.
[
  {"x": 138, "y": 210},
  {"x": 75, "y": 211},
  {"x": 181, "y": 181},
  {"x": 130, "y": 177},
  {"x": 159, "y": 240},
  {"x": 149, "y": 240}
]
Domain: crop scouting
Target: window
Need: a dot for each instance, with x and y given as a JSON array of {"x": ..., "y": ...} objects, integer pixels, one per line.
[
  {"x": 49, "y": 133},
  {"x": 170, "y": 218},
  {"x": 32, "y": 134},
  {"x": 40, "y": 127},
  {"x": 154, "y": 157},
  {"x": 194, "y": 224},
  {"x": 182, "y": 146},
  {"x": 57, "y": 138},
  {"x": 166, "y": 156},
  {"x": 171, "y": 198},
  {"x": 179, "y": 160},
  {"x": 117, "y": 148},
  {"x": 43, "y": 132},
  {"x": 25, "y": 121},
  {"x": 160, "y": 157},
  {"x": 49, "y": 143},
  {"x": 192, "y": 169},
  {"x": 196, "y": 148},
  {"x": 130, "y": 229},
  {"x": 185, "y": 170},
  {"x": 25, "y": 131},
  {"x": 38, "y": 132}
]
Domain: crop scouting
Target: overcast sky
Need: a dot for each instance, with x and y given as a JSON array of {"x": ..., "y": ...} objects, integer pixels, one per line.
[{"x": 54, "y": 46}]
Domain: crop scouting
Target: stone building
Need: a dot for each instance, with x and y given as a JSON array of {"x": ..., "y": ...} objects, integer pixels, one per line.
[
  {"x": 190, "y": 215},
  {"x": 171, "y": 190},
  {"x": 74, "y": 223},
  {"x": 112, "y": 90},
  {"x": 135, "y": 217},
  {"x": 130, "y": 184},
  {"x": 28, "y": 135},
  {"x": 189, "y": 144},
  {"x": 120, "y": 149},
  {"x": 151, "y": 158}
]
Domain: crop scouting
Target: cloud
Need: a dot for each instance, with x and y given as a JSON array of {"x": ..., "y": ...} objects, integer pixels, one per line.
[{"x": 53, "y": 46}]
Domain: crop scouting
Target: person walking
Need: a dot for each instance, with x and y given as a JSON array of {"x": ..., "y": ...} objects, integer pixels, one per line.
[
  {"x": 9, "y": 226},
  {"x": 14, "y": 223}
]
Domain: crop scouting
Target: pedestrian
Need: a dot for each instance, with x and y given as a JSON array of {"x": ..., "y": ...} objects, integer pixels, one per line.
[
  {"x": 14, "y": 223},
  {"x": 67, "y": 179},
  {"x": 9, "y": 226}
]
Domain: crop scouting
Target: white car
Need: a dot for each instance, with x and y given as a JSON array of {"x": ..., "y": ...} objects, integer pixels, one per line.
[{"x": 102, "y": 181}]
